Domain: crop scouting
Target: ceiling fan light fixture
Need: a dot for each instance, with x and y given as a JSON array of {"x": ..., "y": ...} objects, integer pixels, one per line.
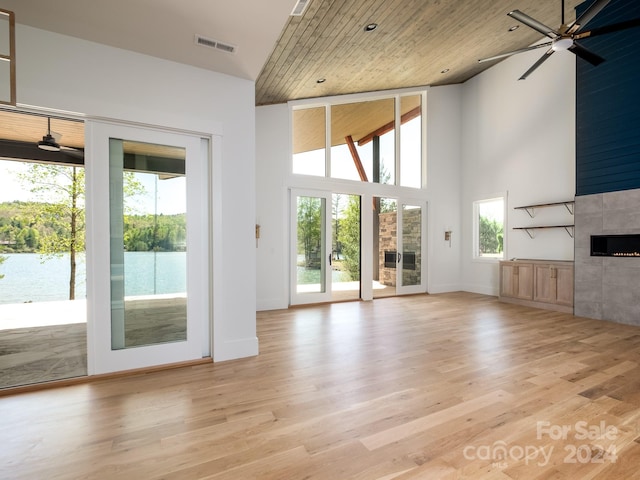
[
  {"x": 562, "y": 44},
  {"x": 49, "y": 144}
]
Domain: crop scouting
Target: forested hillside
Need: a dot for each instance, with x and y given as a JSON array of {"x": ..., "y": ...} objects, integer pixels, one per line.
[{"x": 25, "y": 227}]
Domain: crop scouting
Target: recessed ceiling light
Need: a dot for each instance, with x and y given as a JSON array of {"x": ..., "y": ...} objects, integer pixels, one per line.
[
  {"x": 444, "y": 71},
  {"x": 321, "y": 80},
  {"x": 514, "y": 28},
  {"x": 370, "y": 27}
]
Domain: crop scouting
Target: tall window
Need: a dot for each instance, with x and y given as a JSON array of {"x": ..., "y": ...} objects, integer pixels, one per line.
[
  {"x": 309, "y": 139},
  {"x": 367, "y": 141},
  {"x": 363, "y": 141},
  {"x": 411, "y": 141},
  {"x": 488, "y": 228}
]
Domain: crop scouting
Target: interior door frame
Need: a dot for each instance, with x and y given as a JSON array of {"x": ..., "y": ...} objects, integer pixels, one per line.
[{"x": 100, "y": 357}]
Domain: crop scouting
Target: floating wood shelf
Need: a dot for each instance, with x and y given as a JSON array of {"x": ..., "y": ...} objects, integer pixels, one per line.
[
  {"x": 568, "y": 228},
  {"x": 530, "y": 209}
]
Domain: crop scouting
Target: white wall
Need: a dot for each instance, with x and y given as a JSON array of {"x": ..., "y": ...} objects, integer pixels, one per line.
[
  {"x": 65, "y": 73},
  {"x": 444, "y": 120},
  {"x": 444, "y": 127},
  {"x": 519, "y": 137},
  {"x": 272, "y": 160}
]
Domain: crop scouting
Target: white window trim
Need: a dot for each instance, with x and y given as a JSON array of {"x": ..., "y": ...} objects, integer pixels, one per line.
[{"x": 475, "y": 228}]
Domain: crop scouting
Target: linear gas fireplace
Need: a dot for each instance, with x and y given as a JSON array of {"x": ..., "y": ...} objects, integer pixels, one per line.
[{"x": 615, "y": 245}]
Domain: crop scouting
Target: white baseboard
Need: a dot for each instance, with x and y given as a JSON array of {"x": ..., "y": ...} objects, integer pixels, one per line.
[
  {"x": 271, "y": 304},
  {"x": 444, "y": 288},
  {"x": 481, "y": 289},
  {"x": 232, "y": 350}
]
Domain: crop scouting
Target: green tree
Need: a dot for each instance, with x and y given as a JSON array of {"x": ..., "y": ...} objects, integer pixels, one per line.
[
  {"x": 2, "y": 260},
  {"x": 491, "y": 235},
  {"x": 61, "y": 188},
  {"x": 310, "y": 229},
  {"x": 349, "y": 237}
]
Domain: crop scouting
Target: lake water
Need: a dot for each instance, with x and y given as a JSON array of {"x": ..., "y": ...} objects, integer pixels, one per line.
[{"x": 28, "y": 279}]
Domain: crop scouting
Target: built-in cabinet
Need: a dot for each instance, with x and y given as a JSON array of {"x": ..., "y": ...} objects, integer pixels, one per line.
[{"x": 538, "y": 283}]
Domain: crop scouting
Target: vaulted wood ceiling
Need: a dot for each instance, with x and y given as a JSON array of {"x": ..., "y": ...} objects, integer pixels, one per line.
[{"x": 417, "y": 42}]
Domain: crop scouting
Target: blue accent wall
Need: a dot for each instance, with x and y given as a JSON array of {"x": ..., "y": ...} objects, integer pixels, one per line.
[{"x": 608, "y": 105}]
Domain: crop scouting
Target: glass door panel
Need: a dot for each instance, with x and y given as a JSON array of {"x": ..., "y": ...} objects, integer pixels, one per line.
[
  {"x": 410, "y": 262},
  {"x": 148, "y": 244},
  {"x": 398, "y": 244},
  {"x": 385, "y": 246},
  {"x": 345, "y": 263},
  {"x": 310, "y": 240}
]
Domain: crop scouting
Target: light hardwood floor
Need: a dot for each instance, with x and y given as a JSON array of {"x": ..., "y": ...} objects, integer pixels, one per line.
[{"x": 423, "y": 387}]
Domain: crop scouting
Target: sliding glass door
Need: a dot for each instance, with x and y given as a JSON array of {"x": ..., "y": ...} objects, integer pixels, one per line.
[
  {"x": 398, "y": 246},
  {"x": 410, "y": 248},
  {"x": 325, "y": 238},
  {"x": 150, "y": 288}
]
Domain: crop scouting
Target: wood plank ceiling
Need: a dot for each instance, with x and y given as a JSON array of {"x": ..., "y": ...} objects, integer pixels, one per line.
[{"x": 417, "y": 42}]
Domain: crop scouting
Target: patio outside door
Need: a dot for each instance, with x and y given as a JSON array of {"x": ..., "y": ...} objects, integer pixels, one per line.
[
  {"x": 311, "y": 254},
  {"x": 411, "y": 221},
  {"x": 398, "y": 247},
  {"x": 150, "y": 248},
  {"x": 325, "y": 236}
]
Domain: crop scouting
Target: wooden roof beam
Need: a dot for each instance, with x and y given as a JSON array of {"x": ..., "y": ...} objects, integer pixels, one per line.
[
  {"x": 356, "y": 158},
  {"x": 410, "y": 115}
]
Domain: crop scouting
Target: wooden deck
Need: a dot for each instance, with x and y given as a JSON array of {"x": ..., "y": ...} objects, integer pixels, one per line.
[{"x": 423, "y": 387}]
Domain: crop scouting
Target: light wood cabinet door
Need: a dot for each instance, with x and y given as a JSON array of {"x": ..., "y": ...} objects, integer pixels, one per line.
[
  {"x": 516, "y": 280},
  {"x": 564, "y": 285},
  {"x": 554, "y": 284},
  {"x": 545, "y": 284}
]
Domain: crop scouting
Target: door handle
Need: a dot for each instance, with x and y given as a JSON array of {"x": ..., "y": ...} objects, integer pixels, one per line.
[
  {"x": 329, "y": 259},
  {"x": 399, "y": 257}
]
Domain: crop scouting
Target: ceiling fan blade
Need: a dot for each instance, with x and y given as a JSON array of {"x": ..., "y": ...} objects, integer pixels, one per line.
[
  {"x": 587, "y": 16},
  {"x": 616, "y": 27},
  {"x": 586, "y": 54},
  {"x": 533, "y": 23},
  {"x": 73, "y": 152},
  {"x": 508, "y": 54},
  {"x": 72, "y": 149},
  {"x": 540, "y": 61}
]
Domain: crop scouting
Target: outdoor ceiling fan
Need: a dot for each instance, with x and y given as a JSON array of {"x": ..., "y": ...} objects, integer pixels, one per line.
[
  {"x": 50, "y": 143},
  {"x": 565, "y": 37}
]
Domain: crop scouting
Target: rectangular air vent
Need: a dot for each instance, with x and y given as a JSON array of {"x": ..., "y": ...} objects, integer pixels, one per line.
[
  {"x": 300, "y": 7},
  {"x": 211, "y": 43}
]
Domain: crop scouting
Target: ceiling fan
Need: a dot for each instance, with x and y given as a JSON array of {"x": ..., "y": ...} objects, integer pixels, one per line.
[
  {"x": 565, "y": 37},
  {"x": 50, "y": 143}
]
